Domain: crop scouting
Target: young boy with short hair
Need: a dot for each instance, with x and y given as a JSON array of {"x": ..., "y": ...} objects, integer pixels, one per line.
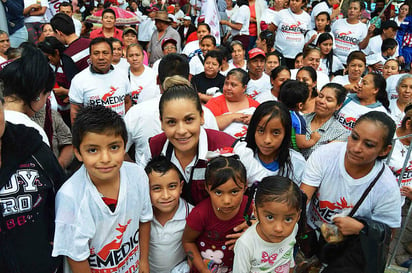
[
  {"x": 103, "y": 211},
  {"x": 170, "y": 211}
]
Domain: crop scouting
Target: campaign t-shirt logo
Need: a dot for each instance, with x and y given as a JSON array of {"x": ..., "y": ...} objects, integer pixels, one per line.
[
  {"x": 348, "y": 122},
  {"x": 294, "y": 28},
  {"x": 407, "y": 175},
  {"x": 136, "y": 93},
  {"x": 110, "y": 93},
  {"x": 326, "y": 209},
  {"x": 346, "y": 38}
]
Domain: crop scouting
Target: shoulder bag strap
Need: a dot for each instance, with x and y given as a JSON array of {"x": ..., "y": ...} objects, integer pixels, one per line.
[{"x": 366, "y": 192}]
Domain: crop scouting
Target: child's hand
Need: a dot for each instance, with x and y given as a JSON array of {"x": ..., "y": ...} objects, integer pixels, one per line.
[
  {"x": 406, "y": 191},
  {"x": 239, "y": 229},
  {"x": 348, "y": 225},
  {"x": 315, "y": 136}
]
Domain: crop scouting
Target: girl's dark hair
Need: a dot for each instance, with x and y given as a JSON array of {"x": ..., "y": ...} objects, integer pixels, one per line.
[
  {"x": 329, "y": 58},
  {"x": 384, "y": 121},
  {"x": 113, "y": 40},
  {"x": 50, "y": 45},
  {"x": 220, "y": 169},
  {"x": 300, "y": 54},
  {"x": 327, "y": 28},
  {"x": 278, "y": 189},
  {"x": 275, "y": 72},
  {"x": 313, "y": 76},
  {"x": 293, "y": 92},
  {"x": 380, "y": 83},
  {"x": 28, "y": 76},
  {"x": 269, "y": 37},
  {"x": 240, "y": 74},
  {"x": 179, "y": 92},
  {"x": 210, "y": 37},
  {"x": 340, "y": 91},
  {"x": 273, "y": 109}
]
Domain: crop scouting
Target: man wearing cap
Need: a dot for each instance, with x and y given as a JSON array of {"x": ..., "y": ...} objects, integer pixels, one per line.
[
  {"x": 163, "y": 31},
  {"x": 259, "y": 82},
  {"x": 168, "y": 46},
  {"x": 147, "y": 27},
  {"x": 108, "y": 29},
  {"x": 186, "y": 29},
  {"x": 389, "y": 29}
]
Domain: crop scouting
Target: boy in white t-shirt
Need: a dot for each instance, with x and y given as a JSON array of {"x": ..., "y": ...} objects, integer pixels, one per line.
[
  {"x": 166, "y": 253},
  {"x": 103, "y": 211}
]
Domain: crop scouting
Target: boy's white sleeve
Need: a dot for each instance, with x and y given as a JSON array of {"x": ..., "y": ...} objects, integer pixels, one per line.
[
  {"x": 243, "y": 256},
  {"x": 70, "y": 238}
]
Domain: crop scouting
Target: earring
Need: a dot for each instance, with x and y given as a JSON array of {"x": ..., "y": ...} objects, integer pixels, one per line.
[{"x": 37, "y": 99}]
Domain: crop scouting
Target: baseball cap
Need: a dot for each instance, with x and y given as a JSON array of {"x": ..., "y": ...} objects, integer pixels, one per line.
[
  {"x": 129, "y": 29},
  {"x": 254, "y": 52},
  {"x": 168, "y": 40},
  {"x": 187, "y": 18}
]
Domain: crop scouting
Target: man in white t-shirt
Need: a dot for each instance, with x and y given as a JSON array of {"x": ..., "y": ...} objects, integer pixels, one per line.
[
  {"x": 100, "y": 84},
  {"x": 67, "y": 8},
  {"x": 350, "y": 33},
  {"x": 259, "y": 82},
  {"x": 389, "y": 29}
]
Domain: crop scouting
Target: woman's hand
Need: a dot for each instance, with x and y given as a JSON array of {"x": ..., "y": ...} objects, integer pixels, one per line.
[
  {"x": 353, "y": 87},
  {"x": 348, "y": 225},
  {"x": 406, "y": 191},
  {"x": 61, "y": 91},
  {"x": 246, "y": 119},
  {"x": 239, "y": 117}
]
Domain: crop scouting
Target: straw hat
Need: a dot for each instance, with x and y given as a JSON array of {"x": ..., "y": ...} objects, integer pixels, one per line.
[{"x": 162, "y": 16}]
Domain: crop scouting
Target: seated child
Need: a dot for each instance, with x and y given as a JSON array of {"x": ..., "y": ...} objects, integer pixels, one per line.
[
  {"x": 166, "y": 253},
  {"x": 294, "y": 94},
  {"x": 376, "y": 61},
  {"x": 267, "y": 246},
  {"x": 214, "y": 218},
  {"x": 103, "y": 211}
]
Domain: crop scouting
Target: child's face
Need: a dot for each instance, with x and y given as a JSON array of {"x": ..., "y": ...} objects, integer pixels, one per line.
[
  {"x": 268, "y": 139},
  {"x": 276, "y": 221},
  {"x": 102, "y": 155},
  {"x": 206, "y": 45},
  {"x": 226, "y": 199},
  {"x": 165, "y": 190},
  {"x": 321, "y": 22}
]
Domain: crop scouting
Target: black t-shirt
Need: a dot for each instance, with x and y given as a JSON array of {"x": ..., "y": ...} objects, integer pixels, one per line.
[{"x": 201, "y": 83}]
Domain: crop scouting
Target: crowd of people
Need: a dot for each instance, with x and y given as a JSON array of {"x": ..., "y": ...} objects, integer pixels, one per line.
[{"x": 256, "y": 142}]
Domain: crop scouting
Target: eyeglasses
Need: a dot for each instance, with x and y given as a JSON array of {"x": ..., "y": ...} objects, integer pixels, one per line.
[{"x": 169, "y": 47}]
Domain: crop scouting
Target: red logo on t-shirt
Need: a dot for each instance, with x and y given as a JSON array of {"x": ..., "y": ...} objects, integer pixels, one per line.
[
  {"x": 115, "y": 244},
  {"x": 110, "y": 93},
  {"x": 335, "y": 206}
]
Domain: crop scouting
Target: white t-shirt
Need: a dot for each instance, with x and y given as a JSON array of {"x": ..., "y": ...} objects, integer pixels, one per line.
[
  {"x": 391, "y": 83},
  {"x": 347, "y": 37},
  {"x": 108, "y": 89},
  {"x": 146, "y": 29},
  {"x": 20, "y": 118},
  {"x": 262, "y": 85},
  {"x": 144, "y": 87},
  {"x": 398, "y": 157},
  {"x": 232, "y": 66},
  {"x": 298, "y": 165},
  {"x": 143, "y": 122},
  {"x": 322, "y": 6},
  {"x": 239, "y": 129},
  {"x": 268, "y": 16},
  {"x": 167, "y": 239},
  {"x": 241, "y": 16},
  {"x": 265, "y": 96},
  {"x": 253, "y": 254},
  {"x": 191, "y": 47},
  {"x": 77, "y": 26},
  {"x": 374, "y": 46},
  {"x": 336, "y": 65},
  {"x": 35, "y": 19},
  {"x": 342, "y": 80},
  {"x": 290, "y": 35},
  {"x": 195, "y": 65},
  {"x": 123, "y": 65},
  {"x": 352, "y": 110},
  {"x": 338, "y": 191},
  {"x": 86, "y": 228},
  {"x": 396, "y": 114}
]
